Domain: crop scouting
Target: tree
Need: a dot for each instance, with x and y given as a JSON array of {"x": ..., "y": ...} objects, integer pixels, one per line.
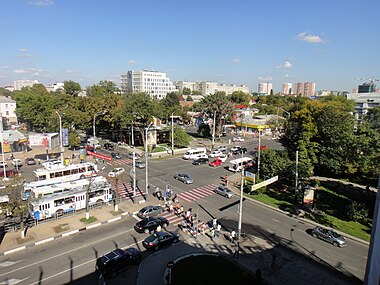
[
  {"x": 72, "y": 88},
  {"x": 239, "y": 97},
  {"x": 189, "y": 98},
  {"x": 186, "y": 91},
  {"x": 274, "y": 163},
  {"x": 103, "y": 88},
  {"x": 181, "y": 138}
]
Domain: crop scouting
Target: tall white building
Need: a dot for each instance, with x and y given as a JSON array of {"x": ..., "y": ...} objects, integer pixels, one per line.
[
  {"x": 18, "y": 84},
  {"x": 154, "y": 83},
  {"x": 287, "y": 88},
  {"x": 207, "y": 87},
  {"x": 265, "y": 88}
]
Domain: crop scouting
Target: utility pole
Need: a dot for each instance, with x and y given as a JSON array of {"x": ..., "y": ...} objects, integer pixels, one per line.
[
  {"x": 241, "y": 200},
  {"x": 258, "y": 157},
  {"x": 296, "y": 182},
  {"x": 146, "y": 161},
  {"x": 134, "y": 174},
  {"x": 172, "y": 134},
  {"x": 213, "y": 130}
]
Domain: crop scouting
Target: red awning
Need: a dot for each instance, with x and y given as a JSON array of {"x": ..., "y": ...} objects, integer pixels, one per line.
[{"x": 98, "y": 155}]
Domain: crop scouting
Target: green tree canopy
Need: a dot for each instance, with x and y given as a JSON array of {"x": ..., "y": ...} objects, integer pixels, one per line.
[{"x": 72, "y": 88}]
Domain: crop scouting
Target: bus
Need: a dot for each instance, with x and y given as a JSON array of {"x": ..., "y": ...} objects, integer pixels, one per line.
[
  {"x": 193, "y": 153},
  {"x": 36, "y": 192},
  {"x": 237, "y": 164},
  {"x": 57, "y": 204},
  {"x": 61, "y": 173}
]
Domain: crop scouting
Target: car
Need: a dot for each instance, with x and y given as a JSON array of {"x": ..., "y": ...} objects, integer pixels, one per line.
[
  {"x": 184, "y": 178},
  {"x": 108, "y": 146},
  {"x": 238, "y": 139},
  {"x": 116, "y": 155},
  {"x": 262, "y": 147},
  {"x": 90, "y": 148},
  {"x": 215, "y": 153},
  {"x": 116, "y": 172},
  {"x": 150, "y": 224},
  {"x": 216, "y": 162},
  {"x": 16, "y": 162},
  {"x": 160, "y": 239},
  {"x": 224, "y": 191},
  {"x": 3, "y": 164},
  {"x": 140, "y": 164},
  {"x": 238, "y": 149},
  {"x": 51, "y": 162},
  {"x": 8, "y": 173},
  {"x": 223, "y": 157},
  {"x": 330, "y": 236},
  {"x": 30, "y": 161},
  {"x": 202, "y": 155},
  {"x": 74, "y": 147},
  {"x": 117, "y": 260},
  {"x": 130, "y": 155},
  {"x": 150, "y": 211},
  {"x": 201, "y": 160},
  {"x": 221, "y": 148}
]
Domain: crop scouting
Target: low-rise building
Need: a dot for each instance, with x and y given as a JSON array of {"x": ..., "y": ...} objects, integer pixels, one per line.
[{"x": 8, "y": 111}]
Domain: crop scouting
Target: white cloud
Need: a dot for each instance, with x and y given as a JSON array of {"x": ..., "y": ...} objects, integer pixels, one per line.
[
  {"x": 132, "y": 61},
  {"x": 41, "y": 2},
  {"x": 236, "y": 60},
  {"x": 21, "y": 71},
  {"x": 27, "y": 55},
  {"x": 68, "y": 71},
  {"x": 5, "y": 66},
  {"x": 267, "y": 78},
  {"x": 310, "y": 38},
  {"x": 23, "y": 49},
  {"x": 286, "y": 64}
]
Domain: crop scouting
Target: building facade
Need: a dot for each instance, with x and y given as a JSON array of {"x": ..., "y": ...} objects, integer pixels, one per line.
[
  {"x": 154, "y": 83},
  {"x": 8, "y": 111},
  {"x": 265, "y": 88},
  {"x": 206, "y": 88},
  {"x": 18, "y": 84},
  {"x": 364, "y": 102},
  {"x": 287, "y": 88},
  {"x": 304, "y": 89}
]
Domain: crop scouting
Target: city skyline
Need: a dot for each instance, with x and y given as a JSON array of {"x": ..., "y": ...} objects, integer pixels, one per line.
[{"x": 241, "y": 42}]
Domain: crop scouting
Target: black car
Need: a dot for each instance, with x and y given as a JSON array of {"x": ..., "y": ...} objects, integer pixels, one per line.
[
  {"x": 117, "y": 260},
  {"x": 160, "y": 239},
  {"x": 116, "y": 155},
  {"x": 74, "y": 147},
  {"x": 108, "y": 146},
  {"x": 239, "y": 150},
  {"x": 201, "y": 160},
  {"x": 148, "y": 225}
]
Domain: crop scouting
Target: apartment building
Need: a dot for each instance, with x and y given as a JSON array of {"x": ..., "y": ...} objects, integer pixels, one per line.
[
  {"x": 304, "y": 89},
  {"x": 8, "y": 110},
  {"x": 265, "y": 88},
  {"x": 208, "y": 87},
  {"x": 18, "y": 84},
  {"x": 287, "y": 88},
  {"x": 154, "y": 83}
]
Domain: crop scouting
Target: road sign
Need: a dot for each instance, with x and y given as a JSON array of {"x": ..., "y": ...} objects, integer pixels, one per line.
[{"x": 264, "y": 183}]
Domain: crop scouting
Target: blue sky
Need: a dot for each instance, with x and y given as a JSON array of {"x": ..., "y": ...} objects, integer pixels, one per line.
[{"x": 331, "y": 42}]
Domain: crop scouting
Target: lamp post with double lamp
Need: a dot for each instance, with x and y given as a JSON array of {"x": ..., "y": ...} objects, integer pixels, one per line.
[
  {"x": 60, "y": 135},
  {"x": 93, "y": 122},
  {"x": 146, "y": 161},
  {"x": 241, "y": 200},
  {"x": 172, "y": 140}
]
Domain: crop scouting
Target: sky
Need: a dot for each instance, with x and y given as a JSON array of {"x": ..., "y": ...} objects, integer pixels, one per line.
[{"x": 334, "y": 43}]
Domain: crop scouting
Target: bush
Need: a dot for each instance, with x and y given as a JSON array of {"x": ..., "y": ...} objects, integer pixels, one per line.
[{"x": 356, "y": 212}]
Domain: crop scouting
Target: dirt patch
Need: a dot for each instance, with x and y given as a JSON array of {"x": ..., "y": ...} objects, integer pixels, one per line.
[
  {"x": 28, "y": 238},
  {"x": 61, "y": 228}
]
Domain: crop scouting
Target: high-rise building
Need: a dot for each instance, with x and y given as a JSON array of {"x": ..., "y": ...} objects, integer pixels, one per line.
[
  {"x": 304, "y": 89},
  {"x": 265, "y": 88},
  {"x": 287, "y": 88},
  {"x": 367, "y": 87},
  {"x": 18, "y": 84},
  {"x": 207, "y": 87},
  {"x": 154, "y": 83}
]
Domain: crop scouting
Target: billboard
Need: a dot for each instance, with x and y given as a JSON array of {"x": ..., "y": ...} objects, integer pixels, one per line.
[{"x": 65, "y": 137}]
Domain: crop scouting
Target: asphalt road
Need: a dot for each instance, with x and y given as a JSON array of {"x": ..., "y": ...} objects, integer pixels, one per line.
[{"x": 72, "y": 259}]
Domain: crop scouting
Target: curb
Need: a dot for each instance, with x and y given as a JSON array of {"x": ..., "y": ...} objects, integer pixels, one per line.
[
  {"x": 300, "y": 218},
  {"x": 64, "y": 234}
]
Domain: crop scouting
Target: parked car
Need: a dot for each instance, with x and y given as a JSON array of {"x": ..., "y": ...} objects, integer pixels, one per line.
[
  {"x": 221, "y": 148},
  {"x": 30, "y": 161},
  {"x": 51, "y": 162},
  {"x": 184, "y": 178},
  {"x": 116, "y": 155},
  {"x": 16, "y": 162},
  {"x": 223, "y": 157},
  {"x": 116, "y": 172},
  {"x": 238, "y": 139},
  {"x": 140, "y": 164},
  {"x": 224, "y": 191},
  {"x": 215, "y": 153},
  {"x": 216, "y": 162},
  {"x": 238, "y": 149},
  {"x": 330, "y": 236},
  {"x": 150, "y": 224},
  {"x": 202, "y": 155},
  {"x": 201, "y": 160},
  {"x": 150, "y": 211},
  {"x": 3, "y": 164},
  {"x": 160, "y": 239},
  {"x": 8, "y": 172},
  {"x": 130, "y": 155},
  {"x": 117, "y": 260},
  {"x": 108, "y": 146}
]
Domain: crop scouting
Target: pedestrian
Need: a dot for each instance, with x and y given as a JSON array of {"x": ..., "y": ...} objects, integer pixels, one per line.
[
  {"x": 38, "y": 161},
  {"x": 158, "y": 228},
  {"x": 212, "y": 231},
  {"x": 233, "y": 236},
  {"x": 226, "y": 180},
  {"x": 73, "y": 156},
  {"x": 165, "y": 194},
  {"x": 175, "y": 199},
  {"x": 218, "y": 228},
  {"x": 214, "y": 222},
  {"x": 236, "y": 250}
]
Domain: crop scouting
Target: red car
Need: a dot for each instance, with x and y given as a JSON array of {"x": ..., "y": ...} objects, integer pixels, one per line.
[
  {"x": 262, "y": 147},
  {"x": 216, "y": 162},
  {"x": 9, "y": 173}
]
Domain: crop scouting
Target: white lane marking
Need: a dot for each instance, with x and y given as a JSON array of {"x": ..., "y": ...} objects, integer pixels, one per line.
[
  {"x": 8, "y": 263},
  {"x": 274, "y": 220},
  {"x": 13, "y": 281}
]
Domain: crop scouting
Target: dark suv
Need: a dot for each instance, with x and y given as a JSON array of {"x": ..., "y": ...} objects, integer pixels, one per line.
[
  {"x": 109, "y": 146},
  {"x": 148, "y": 225},
  {"x": 201, "y": 160},
  {"x": 117, "y": 260}
]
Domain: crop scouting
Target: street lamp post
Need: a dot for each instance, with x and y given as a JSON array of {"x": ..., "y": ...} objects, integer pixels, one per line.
[
  {"x": 146, "y": 161},
  {"x": 241, "y": 201},
  {"x": 2, "y": 146},
  {"x": 60, "y": 135},
  {"x": 213, "y": 130},
  {"x": 172, "y": 134}
]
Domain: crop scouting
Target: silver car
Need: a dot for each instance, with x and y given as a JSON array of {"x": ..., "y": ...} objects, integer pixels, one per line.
[
  {"x": 150, "y": 211},
  {"x": 184, "y": 178},
  {"x": 329, "y": 235},
  {"x": 224, "y": 191}
]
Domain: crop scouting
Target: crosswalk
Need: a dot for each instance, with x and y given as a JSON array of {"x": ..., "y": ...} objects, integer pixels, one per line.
[
  {"x": 119, "y": 162},
  {"x": 197, "y": 193}
]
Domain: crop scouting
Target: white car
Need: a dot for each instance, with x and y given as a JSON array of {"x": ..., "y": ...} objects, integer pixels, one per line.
[
  {"x": 215, "y": 153},
  {"x": 236, "y": 148},
  {"x": 238, "y": 139},
  {"x": 223, "y": 157},
  {"x": 222, "y": 148},
  {"x": 116, "y": 172},
  {"x": 51, "y": 162},
  {"x": 202, "y": 155},
  {"x": 2, "y": 165},
  {"x": 17, "y": 162}
]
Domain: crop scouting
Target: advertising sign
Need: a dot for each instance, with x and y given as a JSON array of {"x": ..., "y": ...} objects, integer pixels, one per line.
[
  {"x": 308, "y": 196},
  {"x": 264, "y": 183},
  {"x": 65, "y": 137},
  {"x": 250, "y": 176},
  {"x": 98, "y": 155}
]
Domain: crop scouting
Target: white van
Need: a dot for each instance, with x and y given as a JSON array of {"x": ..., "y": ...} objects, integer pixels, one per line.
[{"x": 193, "y": 153}]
